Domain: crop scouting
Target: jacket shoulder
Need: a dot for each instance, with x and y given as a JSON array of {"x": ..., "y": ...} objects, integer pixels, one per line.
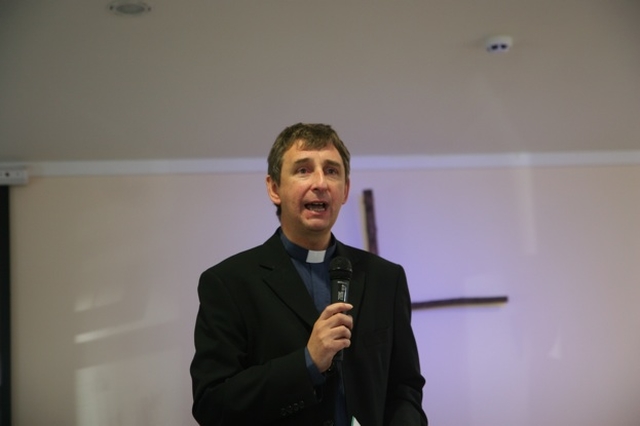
[
  {"x": 266, "y": 255},
  {"x": 357, "y": 255}
]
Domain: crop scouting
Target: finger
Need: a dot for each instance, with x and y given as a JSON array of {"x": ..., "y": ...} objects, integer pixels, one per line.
[
  {"x": 344, "y": 334},
  {"x": 340, "y": 320},
  {"x": 335, "y": 308}
]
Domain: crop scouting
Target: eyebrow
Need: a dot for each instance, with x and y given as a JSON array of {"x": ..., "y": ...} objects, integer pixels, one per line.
[
  {"x": 334, "y": 164},
  {"x": 301, "y": 161},
  {"x": 327, "y": 162}
]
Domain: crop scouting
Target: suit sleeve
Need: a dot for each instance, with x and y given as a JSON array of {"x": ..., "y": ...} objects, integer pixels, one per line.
[
  {"x": 229, "y": 388},
  {"x": 404, "y": 391}
]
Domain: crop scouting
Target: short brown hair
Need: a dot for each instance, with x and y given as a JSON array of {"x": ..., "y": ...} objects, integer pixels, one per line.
[{"x": 313, "y": 136}]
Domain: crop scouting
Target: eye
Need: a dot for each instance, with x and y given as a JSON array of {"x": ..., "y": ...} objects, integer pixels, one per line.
[
  {"x": 332, "y": 171},
  {"x": 302, "y": 170}
]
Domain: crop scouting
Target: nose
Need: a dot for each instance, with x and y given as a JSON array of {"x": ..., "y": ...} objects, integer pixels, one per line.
[{"x": 319, "y": 180}]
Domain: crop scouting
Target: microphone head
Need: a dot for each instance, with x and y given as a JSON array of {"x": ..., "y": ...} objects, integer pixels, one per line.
[{"x": 340, "y": 268}]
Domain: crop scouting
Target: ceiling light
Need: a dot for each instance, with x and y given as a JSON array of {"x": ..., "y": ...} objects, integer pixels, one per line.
[
  {"x": 498, "y": 44},
  {"x": 129, "y": 7}
]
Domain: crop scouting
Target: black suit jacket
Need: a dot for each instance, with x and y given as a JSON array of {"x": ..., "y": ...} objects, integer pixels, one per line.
[{"x": 254, "y": 321}]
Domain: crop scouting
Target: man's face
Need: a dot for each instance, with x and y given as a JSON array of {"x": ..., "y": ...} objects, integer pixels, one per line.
[{"x": 313, "y": 187}]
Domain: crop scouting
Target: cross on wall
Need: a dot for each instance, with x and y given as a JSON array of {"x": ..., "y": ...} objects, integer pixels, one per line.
[{"x": 372, "y": 242}]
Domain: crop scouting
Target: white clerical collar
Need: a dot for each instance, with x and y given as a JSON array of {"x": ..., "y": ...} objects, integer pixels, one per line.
[
  {"x": 308, "y": 256},
  {"x": 315, "y": 256}
]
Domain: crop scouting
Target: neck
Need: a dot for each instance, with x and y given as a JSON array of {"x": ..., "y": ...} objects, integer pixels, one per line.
[{"x": 309, "y": 241}]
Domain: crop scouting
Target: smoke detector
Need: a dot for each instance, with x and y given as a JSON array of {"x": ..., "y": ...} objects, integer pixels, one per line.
[
  {"x": 129, "y": 7},
  {"x": 498, "y": 44}
]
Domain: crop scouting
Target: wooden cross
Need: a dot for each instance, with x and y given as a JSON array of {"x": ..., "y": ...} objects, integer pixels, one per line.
[{"x": 372, "y": 242}]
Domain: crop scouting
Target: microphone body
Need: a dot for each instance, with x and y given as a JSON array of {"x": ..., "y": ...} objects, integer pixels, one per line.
[
  {"x": 340, "y": 275},
  {"x": 340, "y": 272}
]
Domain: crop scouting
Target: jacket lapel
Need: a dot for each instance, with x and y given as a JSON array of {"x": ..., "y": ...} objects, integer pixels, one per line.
[{"x": 281, "y": 276}]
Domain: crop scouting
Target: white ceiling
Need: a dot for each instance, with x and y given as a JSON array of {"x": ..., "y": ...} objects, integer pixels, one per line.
[{"x": 219, "y": 79}]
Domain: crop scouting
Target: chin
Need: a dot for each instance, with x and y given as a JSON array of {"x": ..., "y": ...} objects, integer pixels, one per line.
[{"x": 317, "y": 224}]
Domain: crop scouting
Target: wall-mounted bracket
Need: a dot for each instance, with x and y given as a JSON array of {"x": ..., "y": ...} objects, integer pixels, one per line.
[{"x": 13, "y": 175}]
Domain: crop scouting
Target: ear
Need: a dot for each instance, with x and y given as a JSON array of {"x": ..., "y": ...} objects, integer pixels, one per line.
[
  {"x": 273, "y": 191},
  {"x": 346, "y": 191}
]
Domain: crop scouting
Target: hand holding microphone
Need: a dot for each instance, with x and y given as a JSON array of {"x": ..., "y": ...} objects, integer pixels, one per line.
[{"x": 332, "y": 331}]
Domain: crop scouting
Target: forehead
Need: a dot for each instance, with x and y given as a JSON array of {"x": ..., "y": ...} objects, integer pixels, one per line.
[{"x": 300, "y": 150}]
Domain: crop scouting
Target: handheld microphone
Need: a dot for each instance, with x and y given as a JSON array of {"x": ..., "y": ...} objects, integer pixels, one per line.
[{"x": 340, "y": 274}]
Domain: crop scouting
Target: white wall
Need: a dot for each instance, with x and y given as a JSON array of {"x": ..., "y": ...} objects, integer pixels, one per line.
[{"x": 105, "y": 272}]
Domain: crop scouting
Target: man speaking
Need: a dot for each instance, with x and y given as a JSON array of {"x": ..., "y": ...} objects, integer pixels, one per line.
[{"x": 272, "y": 345}]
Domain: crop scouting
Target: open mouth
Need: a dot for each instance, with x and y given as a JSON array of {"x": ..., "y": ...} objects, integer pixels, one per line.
[{"x": 316, "y": 207}]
